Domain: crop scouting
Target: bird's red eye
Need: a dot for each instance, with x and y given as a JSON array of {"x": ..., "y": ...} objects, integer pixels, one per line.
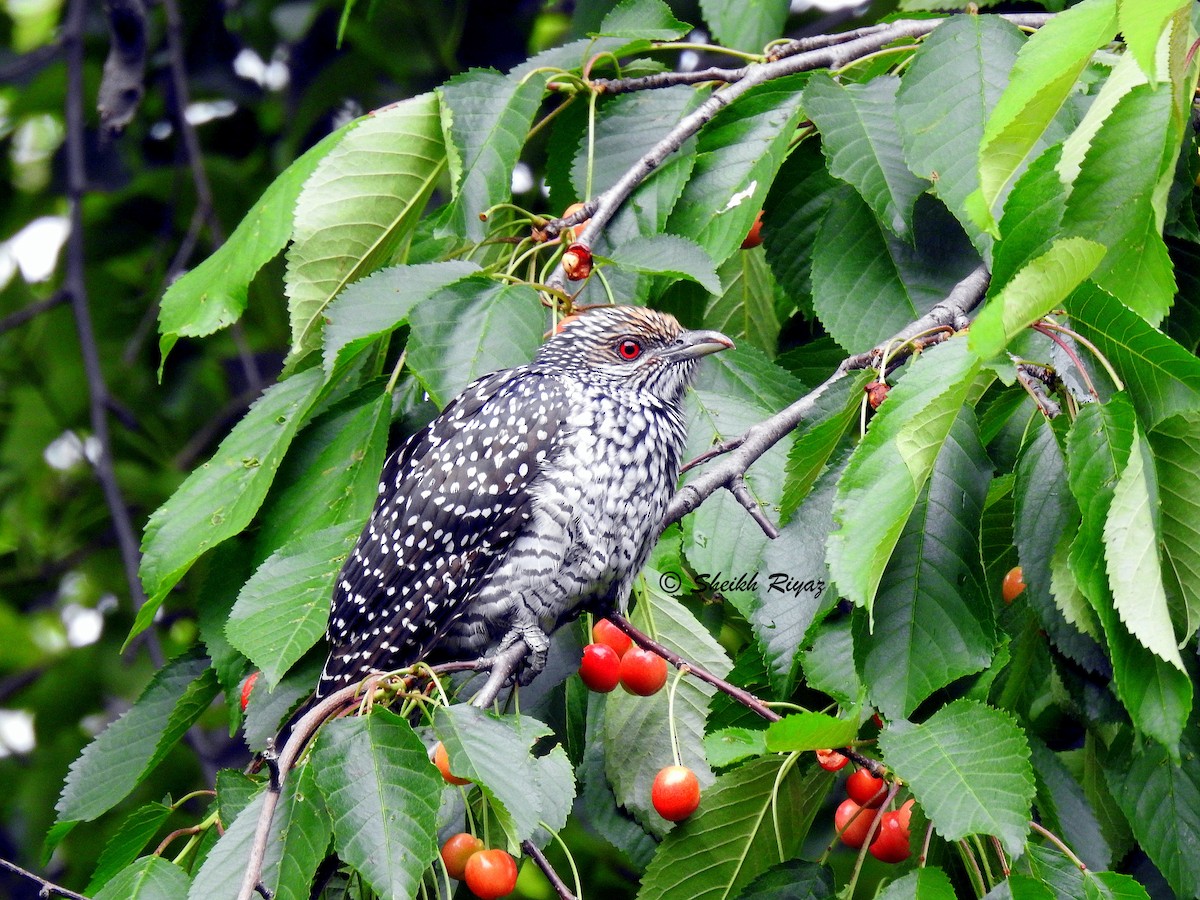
[{"x": 629, "y": 349}]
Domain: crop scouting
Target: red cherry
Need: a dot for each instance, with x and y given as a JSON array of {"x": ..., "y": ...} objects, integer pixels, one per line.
[
  {"x": 676, "y": 793},
  {"x": 605, "y": 632},
  {"x": 852, "y": 824},
  {"x": 457, "y": 850},
  {"x": 600, "y": 668},
  {"x": 643, "y": 672},
  {"x": 754, "y": 237},
  {"x": 441, "y": 759},
  {"x": 891, "y": 844},
  {"x": 830, "y": 760},
  {"x": 247, "y": 687},
  {"x": 577, "y": 262},
  {"x": 865, "y": 789},
  {"x": 491, "y": 874},
  {"x": 877, "y": 392},
  {"x": 1013, "y": 585}
]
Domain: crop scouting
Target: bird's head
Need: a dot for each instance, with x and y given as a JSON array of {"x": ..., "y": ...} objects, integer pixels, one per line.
[{"x": 644, "y": 348}]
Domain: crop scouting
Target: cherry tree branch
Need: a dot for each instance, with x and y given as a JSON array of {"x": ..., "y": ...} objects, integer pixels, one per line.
[
  {"x": 48, "y": 889},
  {"x": 831, "y": 56},
  {"x": 280, "y": 765},
  {"x": 745, "y": 449}
]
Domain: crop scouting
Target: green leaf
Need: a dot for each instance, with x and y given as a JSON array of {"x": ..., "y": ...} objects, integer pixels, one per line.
[
  {"x": 650, "y": 20},
  {"x": 1044, "y": 519},
  {"x": 795, "y": 207},
  {"x": 358, "y": 210},
  {"x": 597, "y": 807},
  {"x": 794, "y": 592},
  {"x": 331, "y": 473},
  {"x": 730, "y": 745},
  {"x": 745, "y": 312},
  {"x": 626, "y": 127},
  {"x": 382, "y": 794},
  {"x": 860, "y": 136},
  {"x": 968, "y": 766},
  {"x": 1063, "y": 808},
  {"x": 270, "y": 708},
  {"x": 303, "y": 831},
  {"x": 932, "y": 616},
  {"x": 734, "y": 832},
  {"x": 1032, "y": 218},
  {"x": 1113, "y": 201},
  {"x": 829, "y": 662},
  {"x": 282, "y": 610},
  {"x": 214, "y": 294},
  {"x": 668, "y": 254},
  {"x": 296, "y": 844},
  {"x": 1142, "y": 23},
  {"x": 1162, "y": 378},
  {"x": 880, "y": 486},
  {"x": 1044, "y": 74},
  {"x": 472, "y": 328},
  {"x": 923, "y": 884},
  {"x": 219, "y": 499},
  {"x": 1176, "y": 445},
  {"x": 1131, "y": 557},
  {"x": 1032, "y": 292},
  {"x": 810, "y": 731},
  {"x": 867, "y": 284},
  {"x": 485, "y": 117},
  {"x": 1099, "y": 444},
  {"x": 955, "y": 80},
  {"x": 637, "y": 738},
  {"x": 739, "y": 152},
  {"x": 820, "y": 436},
  {"x": 1152, "y": 790},
  {"x": 495, "y": 754},
  {"x": 117, "y": 760},
  {"x": 380, "y": 303},
  {"x": 795, "y": 879},
  {"x": 748, "y": 25},
  {"x": 150, "y": 878},
  {"x": 130, "y": 839}
]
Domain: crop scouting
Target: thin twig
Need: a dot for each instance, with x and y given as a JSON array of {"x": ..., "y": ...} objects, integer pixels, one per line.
[
  {"x": 32, "y": 311},
  {"x": 741, "y": 493},
  {"x": 75, "y": 287},
  {"x": 48, "y": 887},
  {"x": 530, "y": 849}
]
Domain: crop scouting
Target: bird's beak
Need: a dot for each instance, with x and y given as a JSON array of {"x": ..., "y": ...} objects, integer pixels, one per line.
[{"x": 694, "y": 344}]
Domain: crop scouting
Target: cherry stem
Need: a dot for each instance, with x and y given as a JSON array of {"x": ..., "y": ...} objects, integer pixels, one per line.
[
  {"x": 1058, "y": 842},
  {"x": 925, "y": 846},
  {"x": 871, "y": 832},
  {"x": 1070, "y": 351},
  {"x": 683, "y": 670},
  {"x": 972, "y": 865}
]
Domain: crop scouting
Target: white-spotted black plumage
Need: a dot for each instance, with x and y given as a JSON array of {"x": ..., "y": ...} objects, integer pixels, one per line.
[{"x": 535, "y": 495}]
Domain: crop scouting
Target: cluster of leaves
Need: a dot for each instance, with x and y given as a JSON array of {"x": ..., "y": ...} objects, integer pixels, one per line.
[{"x": 1062, "y": 161}]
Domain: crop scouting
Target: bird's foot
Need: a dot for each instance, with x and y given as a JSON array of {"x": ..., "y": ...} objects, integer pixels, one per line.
[{"x": 519, "y": 658}]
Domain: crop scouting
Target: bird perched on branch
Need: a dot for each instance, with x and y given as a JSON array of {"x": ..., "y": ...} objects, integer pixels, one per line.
[{"x": 535, "y": 495}]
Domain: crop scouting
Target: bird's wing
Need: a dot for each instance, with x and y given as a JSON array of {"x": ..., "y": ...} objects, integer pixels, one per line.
[{"x": 451, "y": 500}]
